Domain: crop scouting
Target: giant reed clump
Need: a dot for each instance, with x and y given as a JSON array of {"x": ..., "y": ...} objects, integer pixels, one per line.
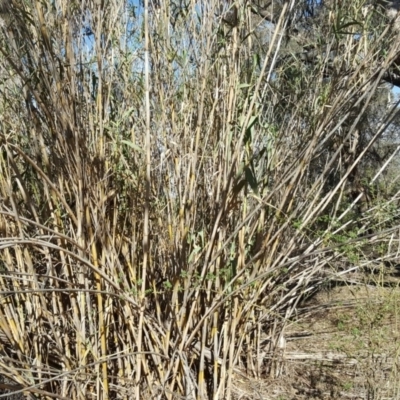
[{"x": 232, "y": 159}]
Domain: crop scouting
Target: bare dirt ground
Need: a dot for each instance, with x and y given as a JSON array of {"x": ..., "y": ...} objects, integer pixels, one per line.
[{"x": 345, "y": 344}]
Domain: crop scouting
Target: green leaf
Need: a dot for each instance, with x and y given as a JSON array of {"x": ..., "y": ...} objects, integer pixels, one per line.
[
  {"x": 256, "y": 61},
  {"x": 346, "y": 25},
  {"x": 195, "y": 251},
  {"x": 252, "y": 120},
  {"x": 251, "y": 179},
  {"x": 133, "y": 145},
  {"x": 238, "y": 187}
]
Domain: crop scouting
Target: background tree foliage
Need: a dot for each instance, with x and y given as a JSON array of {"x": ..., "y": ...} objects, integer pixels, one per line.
[{"x": 273, "y": 168}]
